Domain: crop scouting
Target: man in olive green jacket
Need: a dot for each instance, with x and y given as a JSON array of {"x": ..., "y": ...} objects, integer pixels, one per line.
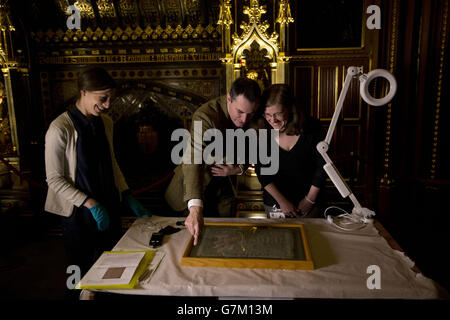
[{"x": 187, "y": 188}]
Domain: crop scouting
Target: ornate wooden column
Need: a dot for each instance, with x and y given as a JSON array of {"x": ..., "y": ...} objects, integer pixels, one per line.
[
  {"x": 10, "y": 144},
  {"x": 284, "y": 18},
  {"x": 225, "y": 21},
  {"x": 14, "y": 105}
]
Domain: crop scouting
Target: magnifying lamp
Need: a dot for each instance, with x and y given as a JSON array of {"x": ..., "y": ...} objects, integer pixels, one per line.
[{"x": 359, "y": 215}]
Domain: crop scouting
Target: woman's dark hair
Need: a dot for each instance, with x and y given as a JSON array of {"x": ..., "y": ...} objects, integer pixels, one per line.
[
  {"x": 95, "y": 79},
  {"x": 282, "y": 94},
  {"x": 246, "y": 86}
]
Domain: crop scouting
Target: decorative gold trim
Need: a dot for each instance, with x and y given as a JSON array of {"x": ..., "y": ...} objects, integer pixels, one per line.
[
  {"x": 386, "y": 180},
  {"x": 255, "y": 31},
  {"x": 327, "y": 57},
  {"x": 86, "y": 9},
  {"x": 284, "y": 13},
  {"x": 106, "y": 9},
  {"x": 8, "y": 124},
  {"x": 434, "y": 158},
  {"x": 255, "y": 35},
  {"x": 132, "y": 51},
  {"x": 318, "y": 92},
  {"x": 284, "y": 18},
  {"x": 225, "y": 17},
  {"x": 6, "y": 29},
  {"x": 336, "y": 86},
  {"x": 225, "y": 20},
  {"x": 140, "y": 74},
  {"x": 125, "y": 58},
  {"x": 11, "y": 110},
  {"x": 209, "y": 32},
  {"x": 331, "y": 49}
]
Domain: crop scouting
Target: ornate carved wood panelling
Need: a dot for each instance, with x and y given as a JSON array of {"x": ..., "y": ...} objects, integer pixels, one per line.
[
  {"x": 140, "y": 36},
  {"x": 150, "y": 14},
  {"x": 107, "y": 13},
  {"x": 173, "y": 12},
  {"x": 129, "y": 12},
  {"x": 87, "y": 11},
  {"x": 143, "y": 12},
  {"x": 161, "y": 55},
  {"x": 194, "y": 11},
  {"x": 173, "y": 35},
  {"x": 189, "y": 86}
]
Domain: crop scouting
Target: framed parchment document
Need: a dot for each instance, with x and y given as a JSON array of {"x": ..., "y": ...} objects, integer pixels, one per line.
[{"x": 249, "y": 245}]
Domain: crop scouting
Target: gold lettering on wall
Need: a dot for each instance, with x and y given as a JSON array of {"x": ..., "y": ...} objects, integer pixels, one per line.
[{"x": 183, "y": 57}]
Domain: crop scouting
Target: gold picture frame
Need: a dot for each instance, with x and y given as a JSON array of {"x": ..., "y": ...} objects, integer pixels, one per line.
[{"x": 250, "y": 245}]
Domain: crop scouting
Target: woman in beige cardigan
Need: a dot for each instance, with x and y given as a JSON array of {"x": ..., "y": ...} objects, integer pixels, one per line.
[{"x": 86, "y": 186}]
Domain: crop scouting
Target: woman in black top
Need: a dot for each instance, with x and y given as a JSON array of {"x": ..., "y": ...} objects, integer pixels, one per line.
[{"x": 295, "y": 187}]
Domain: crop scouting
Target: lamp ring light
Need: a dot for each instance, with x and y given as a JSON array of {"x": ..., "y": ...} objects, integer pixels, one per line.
[{"x": 365, "y": 80}]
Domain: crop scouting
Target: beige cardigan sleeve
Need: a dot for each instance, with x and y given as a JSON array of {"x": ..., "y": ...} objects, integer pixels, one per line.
[{"x": 57, "y": 157}]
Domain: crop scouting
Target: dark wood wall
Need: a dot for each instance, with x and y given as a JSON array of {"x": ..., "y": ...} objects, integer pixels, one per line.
[
  {"x": 397, "y": 150},
  {"x": 418, "y": 156},
  {"x": 317, "y": 72},
  {"x": 415, "y": 201},
  {"x": 395, "y": 157}
]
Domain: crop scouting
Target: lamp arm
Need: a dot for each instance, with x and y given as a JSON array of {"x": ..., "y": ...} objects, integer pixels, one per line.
[
  {"x": 322, "y": 147},
  {"x": 359, "y": 214},
  {"x": 337, "y": 179},
  {"x": 351, "y": 72}
]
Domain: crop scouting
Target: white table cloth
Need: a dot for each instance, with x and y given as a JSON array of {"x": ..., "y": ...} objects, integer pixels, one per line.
[{"x": 341, "y": 260}]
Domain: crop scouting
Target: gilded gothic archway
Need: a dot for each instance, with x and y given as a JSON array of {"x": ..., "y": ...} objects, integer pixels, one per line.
[{"x": 255, "y": 53}]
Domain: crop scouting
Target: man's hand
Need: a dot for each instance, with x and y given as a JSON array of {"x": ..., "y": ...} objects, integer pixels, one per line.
[
  {"x": 223, "y": 170},
  {"x": 194, "y": 222}
]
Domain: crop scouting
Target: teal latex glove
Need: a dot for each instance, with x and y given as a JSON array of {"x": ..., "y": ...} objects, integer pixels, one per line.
[
  {"x": 136, "y": 206},
  {"x": 101, "y": 216}
]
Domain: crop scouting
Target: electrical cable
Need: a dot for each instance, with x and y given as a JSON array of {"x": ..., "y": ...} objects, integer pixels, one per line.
[{"x": 346, "y": 221}]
